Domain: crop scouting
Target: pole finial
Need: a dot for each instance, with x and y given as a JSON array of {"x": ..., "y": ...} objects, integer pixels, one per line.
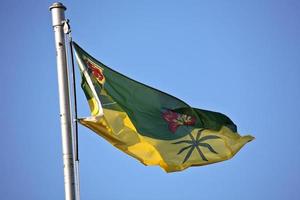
[{"x": 57, "y": 5}]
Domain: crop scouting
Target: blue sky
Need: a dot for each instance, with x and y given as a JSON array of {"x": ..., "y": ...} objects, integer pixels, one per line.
[{"x": 240, "y": 58}]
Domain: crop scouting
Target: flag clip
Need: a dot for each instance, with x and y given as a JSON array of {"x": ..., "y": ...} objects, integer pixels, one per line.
[{"x": 66, "y": 26}]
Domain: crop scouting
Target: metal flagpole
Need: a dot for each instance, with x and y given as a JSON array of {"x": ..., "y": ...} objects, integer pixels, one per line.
[{"x": 58, "y": 18}]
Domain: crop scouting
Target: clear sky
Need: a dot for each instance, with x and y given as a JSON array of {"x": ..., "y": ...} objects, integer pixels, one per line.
[{"x": 237, "y": 57}]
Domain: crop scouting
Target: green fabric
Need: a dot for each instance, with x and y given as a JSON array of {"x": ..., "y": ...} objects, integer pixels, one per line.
[{"x": 146, "y": 106}]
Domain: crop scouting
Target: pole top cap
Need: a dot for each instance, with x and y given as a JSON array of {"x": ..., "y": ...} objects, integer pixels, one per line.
[{"x": 57, "y": 5}]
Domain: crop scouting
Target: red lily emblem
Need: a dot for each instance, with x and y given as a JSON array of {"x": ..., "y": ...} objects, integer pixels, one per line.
[
  {"x": 95, "y": 70},
  {"x": 176, "y": 119}
]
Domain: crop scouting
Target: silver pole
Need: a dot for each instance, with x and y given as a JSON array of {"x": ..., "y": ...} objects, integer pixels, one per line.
[{"x": 58, "y": 17}]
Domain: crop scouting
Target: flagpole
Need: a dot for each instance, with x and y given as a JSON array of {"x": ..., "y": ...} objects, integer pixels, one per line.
[{"x": 58, "y": 18}]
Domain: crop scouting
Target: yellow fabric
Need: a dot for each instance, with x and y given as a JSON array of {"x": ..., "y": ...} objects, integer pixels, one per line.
[
  {"x": 93, "y": 106},
  {"x": 117, "y": 128}
]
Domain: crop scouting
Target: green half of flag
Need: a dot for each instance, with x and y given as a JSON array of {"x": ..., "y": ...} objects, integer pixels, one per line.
[{"x": 152, "y": 126}]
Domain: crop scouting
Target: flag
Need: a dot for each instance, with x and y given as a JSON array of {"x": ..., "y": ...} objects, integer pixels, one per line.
[{"x": 150, "y": 125}]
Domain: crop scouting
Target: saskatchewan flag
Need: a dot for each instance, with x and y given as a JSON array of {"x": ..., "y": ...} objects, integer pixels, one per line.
[{"x": 150, "y": 125}]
